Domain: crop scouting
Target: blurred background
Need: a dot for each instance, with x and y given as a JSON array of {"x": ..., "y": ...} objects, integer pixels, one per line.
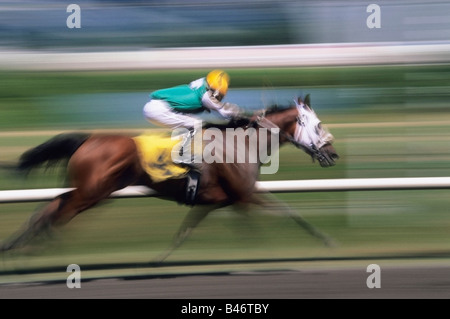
[
  {"x": 383, "y": 93},
  {"x": 137, "y": 24}
]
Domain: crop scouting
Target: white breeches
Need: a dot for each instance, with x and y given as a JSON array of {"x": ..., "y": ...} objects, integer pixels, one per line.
[{"x": 160, "y": 113}]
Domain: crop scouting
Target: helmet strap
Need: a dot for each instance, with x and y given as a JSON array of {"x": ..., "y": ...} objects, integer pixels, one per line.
[{"x": 216, "y": 94}]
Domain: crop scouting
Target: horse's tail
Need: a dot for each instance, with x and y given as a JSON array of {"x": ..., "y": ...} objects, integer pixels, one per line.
[{"x": 58, "y": 148}]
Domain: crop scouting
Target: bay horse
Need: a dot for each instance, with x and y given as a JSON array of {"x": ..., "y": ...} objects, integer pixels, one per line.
[{"x": 100, "y": 164}]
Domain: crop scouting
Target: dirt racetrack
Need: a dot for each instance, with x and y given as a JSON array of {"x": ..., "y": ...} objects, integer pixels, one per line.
[{"x": 424, "y": 281}]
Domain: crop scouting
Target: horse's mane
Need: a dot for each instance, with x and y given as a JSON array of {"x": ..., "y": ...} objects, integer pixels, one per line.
[
  {"x": 276, "y": 108},
  {"x": 233, "y": 124},
  {"x": 243, "y": 122}
]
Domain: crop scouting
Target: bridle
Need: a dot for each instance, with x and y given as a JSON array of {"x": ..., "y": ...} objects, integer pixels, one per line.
[{"x": 310, "y": 149}]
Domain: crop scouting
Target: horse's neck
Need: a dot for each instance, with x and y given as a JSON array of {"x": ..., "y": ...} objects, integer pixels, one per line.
[
  {"x": 281, "y": 120},
  {"x": 269, "y": 136}
]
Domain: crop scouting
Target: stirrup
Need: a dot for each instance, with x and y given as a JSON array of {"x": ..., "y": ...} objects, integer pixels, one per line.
[
  {"x": 190, "y": 164},
  {"x": 192, "y": 184}
]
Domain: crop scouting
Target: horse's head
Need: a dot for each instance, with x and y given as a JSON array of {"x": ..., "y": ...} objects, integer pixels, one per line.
[
  {"x": 301, "y": 126},
  {"x": 309, "y": 134}
]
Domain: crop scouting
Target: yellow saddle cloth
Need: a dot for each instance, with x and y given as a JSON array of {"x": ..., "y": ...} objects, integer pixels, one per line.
[{"x": 155, "y": 151}]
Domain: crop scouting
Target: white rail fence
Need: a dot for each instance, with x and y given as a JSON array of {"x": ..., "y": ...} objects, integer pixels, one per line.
[
  {"x": 286, "y": 186},
  {"x": 329, "y": 54}
]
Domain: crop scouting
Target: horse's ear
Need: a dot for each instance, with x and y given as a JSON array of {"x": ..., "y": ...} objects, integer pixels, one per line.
[{"x": 308, "y": 100}]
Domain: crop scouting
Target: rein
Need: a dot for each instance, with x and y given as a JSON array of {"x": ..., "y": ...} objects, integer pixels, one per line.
[{"x": 263, "y": 122}]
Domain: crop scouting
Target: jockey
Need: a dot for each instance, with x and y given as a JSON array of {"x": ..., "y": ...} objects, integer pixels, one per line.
[
  {"x": 192, "y": 106},
  {"x": 186, "y": 105}
]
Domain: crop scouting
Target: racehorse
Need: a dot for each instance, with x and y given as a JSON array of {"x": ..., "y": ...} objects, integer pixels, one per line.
[{"x": 100, "y": 164}]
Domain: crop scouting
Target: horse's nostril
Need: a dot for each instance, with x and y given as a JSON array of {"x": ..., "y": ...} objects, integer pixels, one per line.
[{"x": 334, "y": 156}]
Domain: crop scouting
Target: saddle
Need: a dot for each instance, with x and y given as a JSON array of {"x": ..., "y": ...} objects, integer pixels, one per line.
[{"x": 155, "y": 154}]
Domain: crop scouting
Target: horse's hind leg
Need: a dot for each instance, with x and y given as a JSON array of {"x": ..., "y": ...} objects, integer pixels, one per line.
[
  {"x": 35, "y": 226},
  {"x": 100, "y": 166},
  {"x": 39, "y": 224},
  {"x": 56, "y": 213}
]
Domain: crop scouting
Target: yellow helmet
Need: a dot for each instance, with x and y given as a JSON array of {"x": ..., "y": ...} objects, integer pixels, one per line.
[{"x": 218, "y": 81}]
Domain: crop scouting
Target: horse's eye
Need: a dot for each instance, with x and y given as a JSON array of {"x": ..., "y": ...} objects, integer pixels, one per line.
[{"x": 318, "y": 129}]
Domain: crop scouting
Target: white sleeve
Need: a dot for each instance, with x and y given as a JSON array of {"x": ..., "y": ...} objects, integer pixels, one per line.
[
  {"x": 227, "y": 110},
  {"x": 210, "y": 102}
]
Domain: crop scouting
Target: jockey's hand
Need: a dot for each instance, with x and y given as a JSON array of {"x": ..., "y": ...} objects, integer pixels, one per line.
[
  {"x": 231, "y": 110},
  {"x": 238, "y": 116},
  {"x": 256, "y": 115}
]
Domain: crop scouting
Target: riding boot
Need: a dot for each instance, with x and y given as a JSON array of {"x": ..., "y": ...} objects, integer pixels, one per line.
[{"x": 186, "y": 153}]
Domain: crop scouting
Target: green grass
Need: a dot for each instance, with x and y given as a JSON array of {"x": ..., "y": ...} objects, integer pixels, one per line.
[
  {"x": 21, "y": 91},
  {"x": 17, "y": 84}
]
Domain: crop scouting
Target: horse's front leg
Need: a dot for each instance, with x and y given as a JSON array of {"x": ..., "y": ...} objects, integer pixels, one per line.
[
  {"x": 192, "y": 219},
  {"x": 273, "y": 204}
]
